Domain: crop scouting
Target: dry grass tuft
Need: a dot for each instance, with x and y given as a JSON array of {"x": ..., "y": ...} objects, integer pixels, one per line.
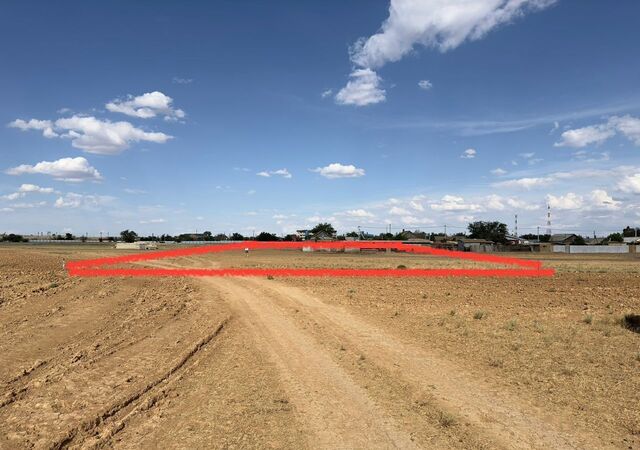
[
  {"x": 478, "y": 315},
  {"x": 446, "y": 419}
]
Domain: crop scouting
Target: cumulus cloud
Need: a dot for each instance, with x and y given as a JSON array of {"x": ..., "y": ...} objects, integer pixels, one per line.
[
  {"x": 399, "y": 211},
  {"x": 565, "y": 202},
  {"x": 469, "y": 153},
  {"x": 284, "y": 173},
  {"x": 46, "y": 126},
  {"x": 524, "y": 183},
  {"x": 630, "y": 184},
  {"x": 146, "y": 106},
  {"x": 626, "y": 125},
  {"x": 337, "y": 170},
  {"x": 74, "y": 200},
  {"x": 64, "y": 169},
  {"x": 357, "y": 213},
  {"x": 92, "y": 135},
  {"x": 425, "y": 84},
  {"x": 35, "y": 188},
  {"x": 439, "y": 24},
  {"x": 362, "y": 89},
  {"x": 600, "y": 199},
  {"x": 454, "y": 203}
]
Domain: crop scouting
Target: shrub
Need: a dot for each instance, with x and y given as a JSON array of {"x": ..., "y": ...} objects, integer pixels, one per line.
[
  {"x": 588, "y": 319},
  {"x": 446, "y": 419},
  {"x": 479, "y": 315}
]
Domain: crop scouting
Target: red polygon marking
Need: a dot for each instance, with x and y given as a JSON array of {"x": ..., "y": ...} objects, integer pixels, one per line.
[{"x": 96, "y": 267}]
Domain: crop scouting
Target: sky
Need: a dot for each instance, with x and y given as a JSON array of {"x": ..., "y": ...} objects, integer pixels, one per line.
[{"x": 249, "y": 116}]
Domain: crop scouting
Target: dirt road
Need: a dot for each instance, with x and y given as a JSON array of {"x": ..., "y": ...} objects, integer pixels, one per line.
[{"x": 303, "y": 334}]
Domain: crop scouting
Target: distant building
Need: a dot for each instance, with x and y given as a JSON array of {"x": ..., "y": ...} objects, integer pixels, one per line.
[
  {"x": 322, "y": 236},
  {"x": 597, "y": 241},
  {"x": 475, "y": 245},
  {"x": 563, "y": 239},
  {"x": 302, "y": 235}
]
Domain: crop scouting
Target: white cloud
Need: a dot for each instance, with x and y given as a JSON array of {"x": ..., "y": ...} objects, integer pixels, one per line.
[
  {"x": 362, "y": 89},
  {"x": 596, "y": 134},
  {"x": 93, "y": 135},
  {"x": 630, "y": 184},
  {"x": 358, "y": 213},
  {"x": 581, "y": 137},
  {"x": 398, "y": 211},
  {"x": 146, "y": 106},
  {"x": 25, "y": 189},
  {"x": 629, "y": 126},
  {"x": 46, "y": 126},
  {"x": 35, "y": 188},
  {"x": 149, "y": 221},
  {"x": 73, "y": 200},
  {"x": 284, "y": 173},
  {"x": 495, "y": 202},
  {"x": 454, "y": 203},
  {"x": 326, "y": 93},
  {"x": 565, "y": 202},
  {"x": 436, "y": 23},
  {"x": 337, "y": 170},
  {"x": 28, "y": 205},
  {"x": 13, "y": 196},
  {"x": 469, "y": 153},
  {"x": 521, "y": 204},
  {"x": 524, "y": 183},
  {"x": 600, "y": 199},
  {"x": 425, "y": 84},
  {"x": 64, "y": 169},
  {"x": 499, "y": 171}
]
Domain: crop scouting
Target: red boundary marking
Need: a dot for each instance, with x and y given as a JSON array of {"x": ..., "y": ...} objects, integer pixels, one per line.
[{"x": 96, "y": 267}]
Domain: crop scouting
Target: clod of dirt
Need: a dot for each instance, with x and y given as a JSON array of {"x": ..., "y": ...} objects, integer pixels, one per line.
[{"x": 631, "y": 322}]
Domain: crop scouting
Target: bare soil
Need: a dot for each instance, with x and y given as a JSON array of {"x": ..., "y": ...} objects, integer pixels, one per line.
[{"x": 317, "y": 362}]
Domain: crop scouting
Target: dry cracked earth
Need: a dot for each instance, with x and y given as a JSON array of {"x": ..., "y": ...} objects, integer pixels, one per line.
[{"x": 317, "y": 362}]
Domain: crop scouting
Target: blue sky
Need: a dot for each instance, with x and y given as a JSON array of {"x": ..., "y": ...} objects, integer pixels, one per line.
[{"x": 241, "y": 116}]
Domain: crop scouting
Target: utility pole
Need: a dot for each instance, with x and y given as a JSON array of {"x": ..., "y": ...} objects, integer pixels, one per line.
[
  {"x": 445, "y": 230},
  {"x": 538, "y": 233},
  {"x": 516, "y": 225}
]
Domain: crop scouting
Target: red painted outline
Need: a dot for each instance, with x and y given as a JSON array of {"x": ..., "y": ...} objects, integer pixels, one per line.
[{"x": 95, "y": 267}]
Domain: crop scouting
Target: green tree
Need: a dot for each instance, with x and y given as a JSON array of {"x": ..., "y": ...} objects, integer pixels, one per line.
[
  {"x": 326, "y": 227},
  {"x": 128, "y": 236},
  {"x": 237, "y": 237},
  {"x": 68, "y": 237},
  {"x": 207, "y": 236},
  {"x": 352, "y": 234},
  {"x": 264, "y": 236},
  {"x": 616, "y": 237},
  {"x": 579, "y": 240},
  {"x": 491, "y": 231}
]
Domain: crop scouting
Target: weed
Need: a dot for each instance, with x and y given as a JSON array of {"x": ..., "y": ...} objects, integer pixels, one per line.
[
  {"x": 588, "y": 319},
  {"x": 638, "y": 356},
  {"x": 446, "y": 419},
  {"x": 537, "y": 327},
  {"x": 53, "y": 285},
  {"x": 496, "y": 362},
  {"x": 401, "y": 266},
  {"x": 511, "y": 325},
  {"x": 452, "y": 312},
  {"x": 568, "y": 371},
  {"x": 270, "y": 277},
  {"x": 424, "y": 296},
  {"x": 478, "y": 315}
]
